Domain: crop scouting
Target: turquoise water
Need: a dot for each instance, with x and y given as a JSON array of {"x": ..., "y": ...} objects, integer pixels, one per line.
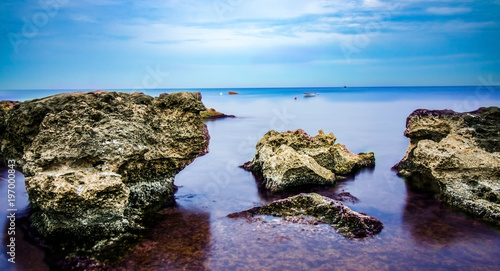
[{"x": 419, "y": 233}]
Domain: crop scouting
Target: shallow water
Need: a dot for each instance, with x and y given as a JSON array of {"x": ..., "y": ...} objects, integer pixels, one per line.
[{"x": 419, "y": 232}]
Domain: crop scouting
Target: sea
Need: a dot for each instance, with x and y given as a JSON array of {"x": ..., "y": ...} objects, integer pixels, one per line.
[{"x": 420, "y": 233}]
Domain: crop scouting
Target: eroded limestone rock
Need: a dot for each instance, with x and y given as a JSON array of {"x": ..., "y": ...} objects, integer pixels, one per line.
[
  {"x": 294, "y": 159},
  {"x": 458, "y": 156},
  {"x": 97, "y": 163}
]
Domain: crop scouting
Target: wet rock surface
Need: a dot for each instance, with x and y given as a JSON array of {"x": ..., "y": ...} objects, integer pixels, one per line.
[
  {"x": 291, "y": 159},
  {"x": 312, "y": 209},
  {"x": 456, "y": 155},
  {"x": 99, "y": 164}
]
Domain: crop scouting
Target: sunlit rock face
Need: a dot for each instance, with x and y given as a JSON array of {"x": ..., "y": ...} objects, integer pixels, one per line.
[
  {"x": 294, "y": 158},
  {"x": 97, "y": 163},
  {"x": 457, "y": 155}
]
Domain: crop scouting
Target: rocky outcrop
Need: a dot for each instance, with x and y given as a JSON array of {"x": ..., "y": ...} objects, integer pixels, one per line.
[
  {"x": 97, "y": 163},
  {"x": 212, "y": 114},
  {"x": 458, "y": 156},
  {"x": 313, "y": 208},
  {"x": 295, "y": 159}
]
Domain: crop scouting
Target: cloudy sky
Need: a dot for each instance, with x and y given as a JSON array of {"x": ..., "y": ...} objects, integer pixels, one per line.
[{"x": 111, "y": 44}]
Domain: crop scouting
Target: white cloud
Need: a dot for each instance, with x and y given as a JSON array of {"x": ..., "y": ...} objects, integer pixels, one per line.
[
  {"x": 448, "y": 10},
  {"x": 83, "y": 18},
  {"x": 372, "y": 3}
]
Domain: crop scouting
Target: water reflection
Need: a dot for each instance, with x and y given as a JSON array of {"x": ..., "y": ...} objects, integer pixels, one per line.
[
  {"x": 335, "y": 191},
  {"x": 181, "y": 240},
  {"x": 432, "y": 224},
  {"x": 27, "y": 256}
]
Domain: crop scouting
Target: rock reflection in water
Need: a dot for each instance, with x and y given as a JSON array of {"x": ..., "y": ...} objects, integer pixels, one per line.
[
  {"x": 432, "y": 224},
  {"x": 180, "y": 240},
  {"x": 332, "y": 191}
]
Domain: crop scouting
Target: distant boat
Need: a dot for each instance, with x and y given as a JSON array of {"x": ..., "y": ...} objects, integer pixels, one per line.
[
  {"x": 232, "y": 93},
  {"x": 345, "y": 86},
  {"x": 310, "y": 94}
]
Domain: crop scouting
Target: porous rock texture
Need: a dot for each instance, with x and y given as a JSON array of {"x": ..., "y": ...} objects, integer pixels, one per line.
[
  {"x": 294, "y": 158},
  {"x": 303, "y": 207},
  {"x": 96, "y": 164},
  {"x": 457, "y": 155}
]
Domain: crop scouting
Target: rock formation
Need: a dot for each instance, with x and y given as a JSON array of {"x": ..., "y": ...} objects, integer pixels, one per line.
[
  {"x": 294, "y": 159},
  {"x": 213, "y": 114},
  {"x": 456, "y": 155},
  {"x": 305, "y": 207},
  {"x": 98, "y": 163}
]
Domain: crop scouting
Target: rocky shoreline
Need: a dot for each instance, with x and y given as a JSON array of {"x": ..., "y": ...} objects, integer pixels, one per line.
[{"x": 100, "y": 165}]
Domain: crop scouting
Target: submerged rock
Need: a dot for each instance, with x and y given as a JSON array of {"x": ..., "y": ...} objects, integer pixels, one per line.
[
  {"x": 294, "y": 159},
  {"x": 98, "y": 163},
  {"x": 457, "y": 155},
  {"x": 313, "y": 208},
  {"x": 213, "y": 114}
]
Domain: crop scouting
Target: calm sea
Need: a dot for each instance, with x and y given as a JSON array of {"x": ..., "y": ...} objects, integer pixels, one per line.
[{"x": 419, "y": 233}]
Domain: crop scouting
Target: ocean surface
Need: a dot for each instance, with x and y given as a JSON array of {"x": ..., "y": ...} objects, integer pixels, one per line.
[{"x": 419, "y": 232}]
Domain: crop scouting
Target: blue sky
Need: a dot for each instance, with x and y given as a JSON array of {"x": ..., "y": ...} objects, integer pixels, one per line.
[{"x": 111, "y": 44}]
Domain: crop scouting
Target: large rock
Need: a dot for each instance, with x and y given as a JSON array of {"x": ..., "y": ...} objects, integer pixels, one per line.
[
  {"x": 98, "y": 163},
  {"x": 295, "y": 159},
  {"x": 303, "y": 207},
  {"x": 457, "y": 155}
]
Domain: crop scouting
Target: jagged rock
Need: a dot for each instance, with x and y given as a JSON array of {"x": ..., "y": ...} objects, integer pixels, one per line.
[
  {"x": 295, "y": 159},
  {"x": 457, "y": 155},
  {"x": 213, "y": 114},
  {"x": 314, "y": 208},
  {"x": 98, "y": 163}
]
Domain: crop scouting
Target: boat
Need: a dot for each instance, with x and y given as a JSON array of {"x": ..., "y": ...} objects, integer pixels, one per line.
[{"x": 310, "y": 94}]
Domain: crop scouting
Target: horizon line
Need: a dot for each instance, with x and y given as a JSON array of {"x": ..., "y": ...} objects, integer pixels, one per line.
[{"x": 225, "y": 88}]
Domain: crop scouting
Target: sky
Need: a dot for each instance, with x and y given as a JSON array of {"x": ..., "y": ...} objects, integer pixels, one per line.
[{"x": 112, "y": 44}]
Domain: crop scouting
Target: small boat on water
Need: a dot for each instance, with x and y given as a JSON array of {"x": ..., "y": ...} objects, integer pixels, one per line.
[{"x": 310, "y": 94}]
